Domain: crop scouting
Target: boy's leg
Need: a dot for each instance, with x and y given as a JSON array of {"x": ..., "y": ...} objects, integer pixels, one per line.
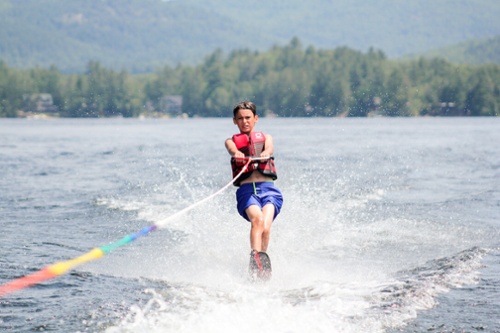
[
  {"x": 261, "y": 226},
  {"x": 268, "y": 214},
  {"x": 256, "y": 219}
]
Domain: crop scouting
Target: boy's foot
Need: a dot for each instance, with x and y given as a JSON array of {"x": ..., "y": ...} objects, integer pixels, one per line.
[{"x": 260, "y": 266}]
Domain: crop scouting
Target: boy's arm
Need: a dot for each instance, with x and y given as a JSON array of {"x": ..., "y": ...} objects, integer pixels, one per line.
[
  {"x": 268, "y": 147},
  {"x": 232, "y": 150}
]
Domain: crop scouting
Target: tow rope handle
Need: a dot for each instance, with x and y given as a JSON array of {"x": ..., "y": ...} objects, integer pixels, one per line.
[{"x": 249, "y": 159}]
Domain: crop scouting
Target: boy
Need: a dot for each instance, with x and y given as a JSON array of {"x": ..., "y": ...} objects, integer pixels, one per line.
[{"x": 258, "y": 200}]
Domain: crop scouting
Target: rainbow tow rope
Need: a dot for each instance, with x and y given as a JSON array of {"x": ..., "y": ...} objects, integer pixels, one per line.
[{"x": 61, "y": 268}]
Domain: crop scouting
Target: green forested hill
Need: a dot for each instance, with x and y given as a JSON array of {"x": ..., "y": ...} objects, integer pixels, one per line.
[
  {"x": 472, "y": 52},
  {"x": 141, "y": 35},
  {"x": 138, "y": 35}
]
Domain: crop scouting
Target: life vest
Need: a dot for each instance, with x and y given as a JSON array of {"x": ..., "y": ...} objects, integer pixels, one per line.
[{"x": 252, "y": 146}]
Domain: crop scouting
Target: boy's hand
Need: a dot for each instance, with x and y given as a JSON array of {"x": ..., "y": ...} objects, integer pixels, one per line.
[
  {"x": 265, "y": 154},
  {"x": 240, "y": 158}
]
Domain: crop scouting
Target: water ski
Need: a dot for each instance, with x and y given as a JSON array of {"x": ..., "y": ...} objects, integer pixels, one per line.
[{"x": 260, "y": 266}]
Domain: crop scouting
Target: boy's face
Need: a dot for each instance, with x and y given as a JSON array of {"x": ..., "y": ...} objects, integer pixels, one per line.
[{"x": 245, "y": 120}]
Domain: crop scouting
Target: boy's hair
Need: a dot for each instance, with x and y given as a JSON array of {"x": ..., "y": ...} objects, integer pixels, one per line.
[{"x": 245, "y": 105}]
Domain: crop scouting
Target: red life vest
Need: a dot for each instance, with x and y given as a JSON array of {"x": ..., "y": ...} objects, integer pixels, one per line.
[{"x": 252, "y": 146}]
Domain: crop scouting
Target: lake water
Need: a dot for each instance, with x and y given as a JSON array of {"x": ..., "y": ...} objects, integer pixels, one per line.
[{"x": 388, "y": 225}]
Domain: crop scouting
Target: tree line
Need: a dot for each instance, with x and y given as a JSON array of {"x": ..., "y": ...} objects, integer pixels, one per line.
[{"x": 286, "y": 81}]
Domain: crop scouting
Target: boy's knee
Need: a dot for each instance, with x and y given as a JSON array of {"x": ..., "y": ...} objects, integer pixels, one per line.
[{"x": 258, "y": 222}]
